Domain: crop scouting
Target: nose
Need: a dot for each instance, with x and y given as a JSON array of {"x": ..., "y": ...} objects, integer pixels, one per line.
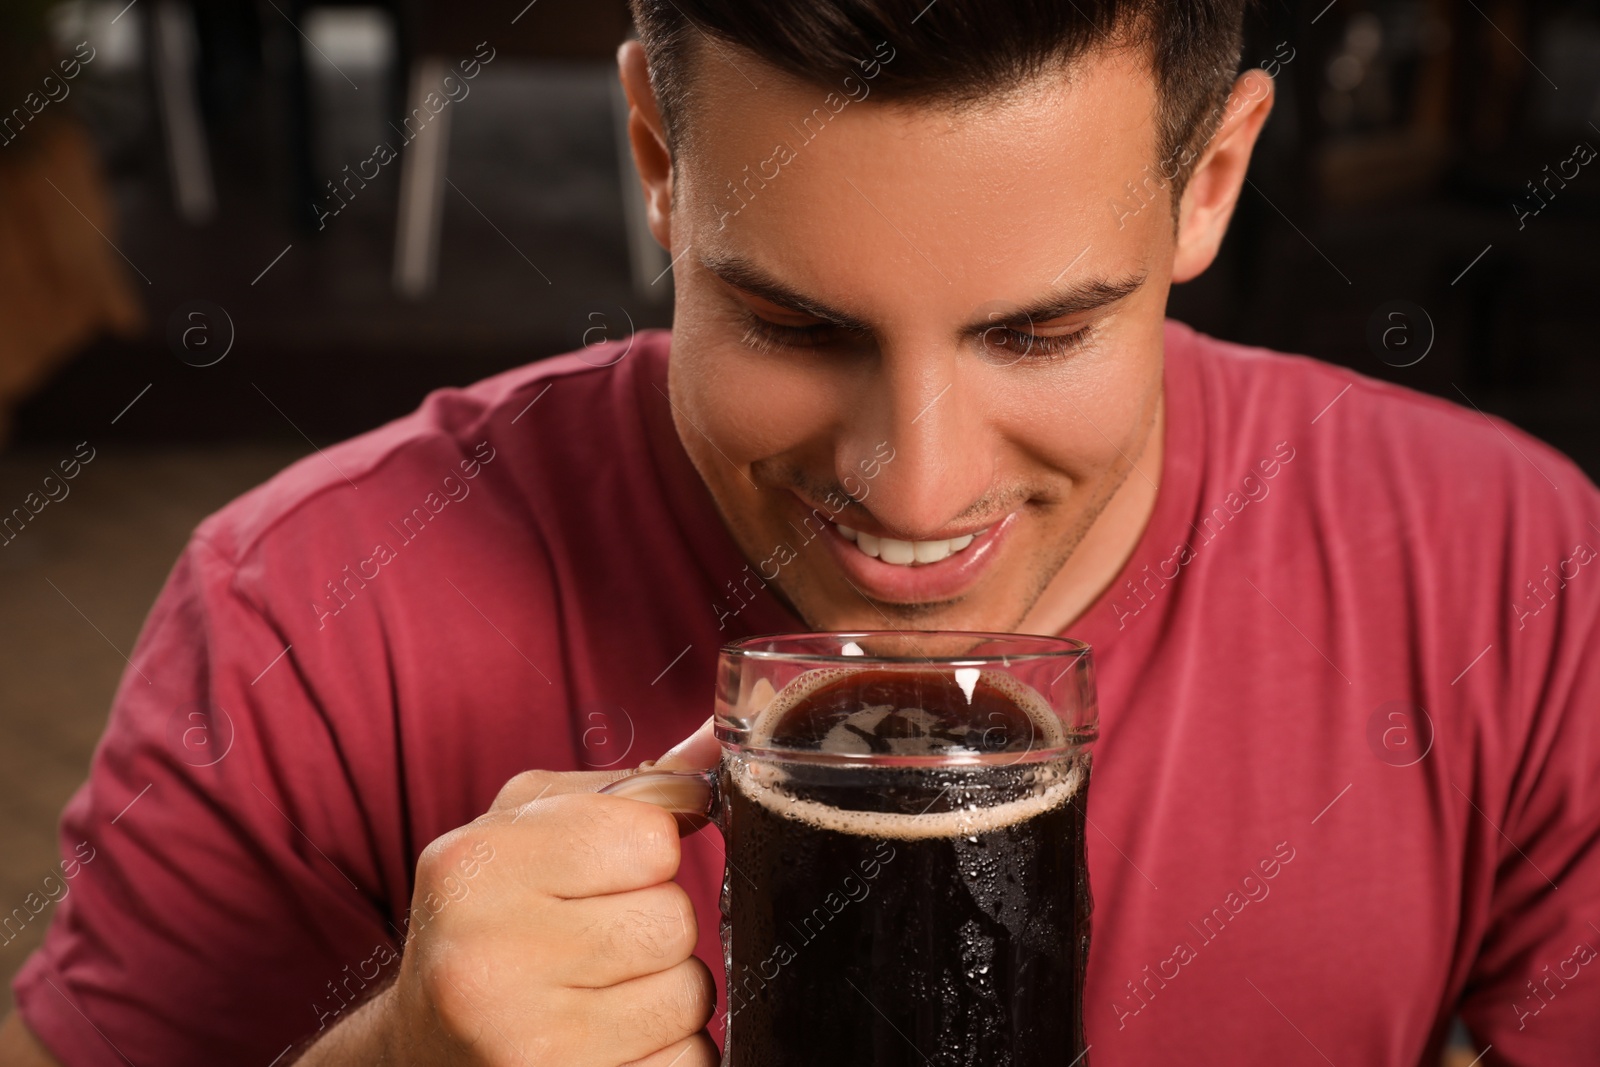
[{"x": 931, "y": 437}]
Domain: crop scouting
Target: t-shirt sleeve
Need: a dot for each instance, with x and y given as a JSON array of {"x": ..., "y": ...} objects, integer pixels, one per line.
[
  {"x": 224, "y": 899},
  {"x": 1533, "y": 993}
]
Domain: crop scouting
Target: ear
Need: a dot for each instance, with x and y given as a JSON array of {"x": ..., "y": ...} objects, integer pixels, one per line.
[
  {"x": 1214, "y": 186},
  {"x": 650, "y": 153}
]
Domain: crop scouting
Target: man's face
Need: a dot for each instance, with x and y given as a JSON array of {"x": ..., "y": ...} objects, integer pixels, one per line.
[{"x": 903, "y": 323}]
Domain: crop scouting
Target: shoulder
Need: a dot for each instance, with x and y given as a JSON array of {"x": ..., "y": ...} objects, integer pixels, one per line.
[
  {"x": 532, "y": 414},
  {"x": 1378, "y": 439},
  {"x": 1410, "y": 507}
]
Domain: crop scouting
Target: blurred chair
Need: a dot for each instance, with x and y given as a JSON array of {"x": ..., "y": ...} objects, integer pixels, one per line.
[
  {"x": 544, "y": 30},
  {"x": 172, "y": 54},
  {"x": 191, "y": 45},
  {"x": 431, "y": 37}
]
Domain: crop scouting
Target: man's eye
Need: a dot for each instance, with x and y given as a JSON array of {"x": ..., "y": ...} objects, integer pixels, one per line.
[
  {"x": 766, "y": 336},
  {"x": 1001, "y": 342},
  {"x": 1011, "y": 345}
]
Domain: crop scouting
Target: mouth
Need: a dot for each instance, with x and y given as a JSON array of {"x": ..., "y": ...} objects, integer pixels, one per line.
[
  {"x": 892, "y": 570},
  {"x": 898, "y": 553}
]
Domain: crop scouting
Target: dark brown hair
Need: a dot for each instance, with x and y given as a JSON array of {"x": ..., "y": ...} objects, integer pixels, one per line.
[{"x": 956, "y": 52}]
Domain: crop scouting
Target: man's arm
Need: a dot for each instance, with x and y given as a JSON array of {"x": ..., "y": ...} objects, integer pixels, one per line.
[
  {"x": 578, "y": 881},
  {"x": 18, "y": 1048},
  {"x": 1533, "y": 989},
  {"x": 225, "y": 908},
  {"x": 591, "y": 895}
]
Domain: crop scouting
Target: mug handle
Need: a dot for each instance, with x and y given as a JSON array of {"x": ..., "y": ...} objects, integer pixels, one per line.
[{"x": 692, "y": 794}]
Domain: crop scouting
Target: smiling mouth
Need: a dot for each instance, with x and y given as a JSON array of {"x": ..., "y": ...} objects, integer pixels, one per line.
[{"x": 905, "y": 553}]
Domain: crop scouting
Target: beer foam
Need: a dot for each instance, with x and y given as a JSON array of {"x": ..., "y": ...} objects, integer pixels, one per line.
[
  {"x": 902, "y": 826},
  {"x": 763, "y": 780},
  {"x": 1047, "y": 727}
]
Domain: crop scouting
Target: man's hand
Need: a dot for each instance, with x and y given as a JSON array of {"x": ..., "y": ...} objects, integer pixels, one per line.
[{"x": 569, "y": 945}]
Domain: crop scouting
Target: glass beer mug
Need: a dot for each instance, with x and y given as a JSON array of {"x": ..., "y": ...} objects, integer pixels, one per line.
[{"x": 904, "y": 817}]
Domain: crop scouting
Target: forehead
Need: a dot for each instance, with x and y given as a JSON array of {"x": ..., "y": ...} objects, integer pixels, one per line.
[{"x": 839, "y": 192}]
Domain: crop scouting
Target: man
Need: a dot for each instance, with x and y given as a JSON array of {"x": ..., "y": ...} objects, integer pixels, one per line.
[{"x": 919, "y": 376}]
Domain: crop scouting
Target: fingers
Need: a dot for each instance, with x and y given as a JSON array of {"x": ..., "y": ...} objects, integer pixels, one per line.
[
  {"x": 554, "y": 924},
  {"x": 624, "y": 936},
  {"x": 697, "y": 752},
  {"x": 698, "y": 1051},
  {"x": 657, "y": 1011},
  {"x": 684, "y": 793},
  {"x": 574, "y": 845},
  {"x": 535, "y": 785},
  {"x": 677, "y": 781}
]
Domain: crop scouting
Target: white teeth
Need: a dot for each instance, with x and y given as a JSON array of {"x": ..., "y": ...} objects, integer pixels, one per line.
[
  {"x": 900, "y": 553},
  {"x": 905, "y": 553}
]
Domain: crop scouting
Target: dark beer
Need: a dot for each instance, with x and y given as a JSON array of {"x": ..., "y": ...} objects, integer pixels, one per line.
[{"x": 931, "y": 911}]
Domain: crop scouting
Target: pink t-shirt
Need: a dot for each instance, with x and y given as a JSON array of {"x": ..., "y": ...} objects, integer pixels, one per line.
[{"x": 1348, "y": 781}]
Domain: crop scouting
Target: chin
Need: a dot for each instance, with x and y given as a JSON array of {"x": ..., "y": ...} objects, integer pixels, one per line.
[{"x": 852, "y": 612}]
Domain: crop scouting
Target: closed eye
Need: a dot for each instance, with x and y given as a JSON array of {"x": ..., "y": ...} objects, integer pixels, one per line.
[
  {"x": 1013, "y": 345},
  {"x": 1002, "y": 342},
  {"x": 767, "y": 337}
]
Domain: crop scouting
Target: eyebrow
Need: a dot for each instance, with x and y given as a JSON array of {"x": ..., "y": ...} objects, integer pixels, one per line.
[{"x": 1076, "y": 299}]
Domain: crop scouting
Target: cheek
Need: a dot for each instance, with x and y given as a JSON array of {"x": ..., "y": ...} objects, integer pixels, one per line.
[
  {"x": 1083, "y": 417},
  {"x": 755, "y": 406}
]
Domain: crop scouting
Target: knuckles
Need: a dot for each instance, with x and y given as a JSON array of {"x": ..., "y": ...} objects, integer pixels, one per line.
[
  {"x": 463, "y": 992},
  {"x": 661, "y": 929},
  {"x": 609, "y": 833},
  {"x": 676, "y": 1008},
  {"x": 583, "y": 832},
  {"x": 700, "y": 1051},
  {"x": 650, "y": 838},
  {"x": 697, "y": 993},
  {"x": 470, "y": 962},
  {"x": 524, "y": 787},
  {"x": 455, "y": 859},
  {"x": 586, "y": 827}
]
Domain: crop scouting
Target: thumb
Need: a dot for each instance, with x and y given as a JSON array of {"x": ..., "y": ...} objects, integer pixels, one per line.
[
  {"x": 671, "y": 782},
  {"x": 697, "y": 752}
]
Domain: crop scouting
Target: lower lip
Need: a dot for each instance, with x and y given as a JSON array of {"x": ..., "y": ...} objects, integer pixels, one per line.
[{"x": 925, "y": 582}]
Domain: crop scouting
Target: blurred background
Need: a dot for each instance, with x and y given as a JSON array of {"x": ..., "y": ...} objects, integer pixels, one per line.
[{"x": 234, "y": 230}]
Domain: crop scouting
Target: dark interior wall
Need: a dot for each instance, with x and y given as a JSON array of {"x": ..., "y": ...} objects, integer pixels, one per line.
[
  {"x": 1405, "y": 171},
  {"x": 1397, "y": 221}
]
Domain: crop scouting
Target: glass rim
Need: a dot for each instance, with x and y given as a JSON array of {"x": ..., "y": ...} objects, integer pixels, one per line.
[{"x": 1064, "y": 647}]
